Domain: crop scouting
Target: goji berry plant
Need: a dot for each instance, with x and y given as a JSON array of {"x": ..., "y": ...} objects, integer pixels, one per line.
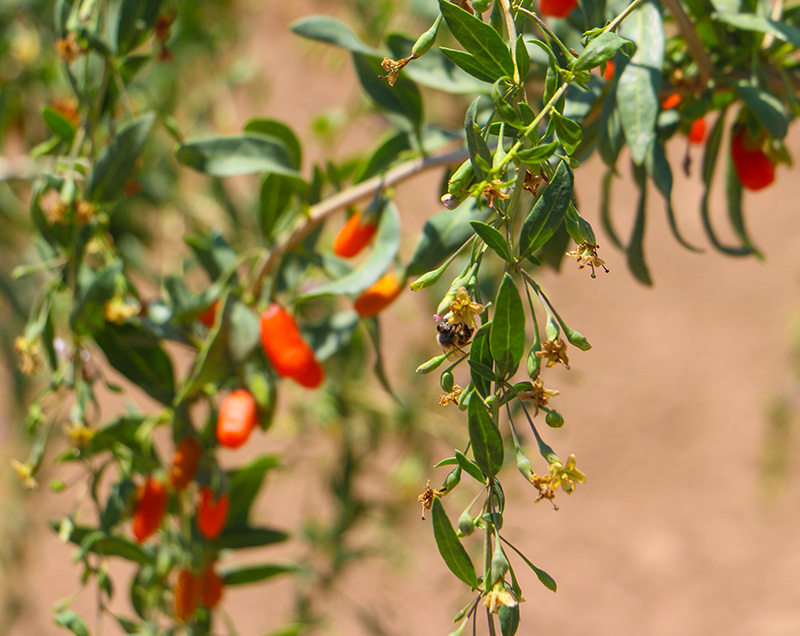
[{"x": 295, "y": 287}]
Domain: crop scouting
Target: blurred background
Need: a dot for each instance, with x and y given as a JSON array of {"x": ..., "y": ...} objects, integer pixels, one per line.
[{"x": 683, "y": 415}]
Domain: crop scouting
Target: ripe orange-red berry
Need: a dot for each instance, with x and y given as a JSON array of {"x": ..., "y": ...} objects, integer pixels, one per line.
[
  {"x": 752, "y": 166},
  {"x": 671, "y": 101},
  {"x": 209, "y": 315},
  {"x": 185, "y": 462},
  {"x": 608, "y": 74},
  {"x": 557, "y": 8},
  {"x": 353, "y": 237},
  {"x": 290, "y": 355},
  {"x": 212, "y": 514},
  {"x": 238, "y": 416},
  {"x": 211, "y": 586},
  {"x": 375, "y": 299},
  {"x": 697, "y": 133},
  {"x": 186, "y": 593},
  {"x": 151, "y": 504}
]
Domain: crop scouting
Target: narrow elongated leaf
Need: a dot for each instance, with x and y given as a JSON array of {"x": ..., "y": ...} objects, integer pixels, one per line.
[
  {"x": 403, "y": 98},
  {"x": 470, "y": 467},
  {"x": 60, "y": 125},
  {"x": 479, "y": 154},
  {"x": 244, "y": 486},
  {"x": 479, "y": 39},
  {"x": 238, "y": 155},
  {"x": 767, "y": 108},
  {"x": 601, "y": 49},
  {"x": 384, "y": 250},
  {"x": 539, "y": 154},
  {"x": 544, "y": 578},
  {"x": 569, "y": 132},
  {"x": 480, "y": 354},
  {"x": 635, "y": 249},
  {"x": 326, "y": 29},
  {"x": 548, "y": 213},
  {"x": 733, "y": 190},
  {"x": 118, "y": 161},
  {"x": 493, "y": 238},
  {"x": 279, "y": 130},
  {"x": 640, "y": 80},
  {"x": 381, "y": 158},
  {"x": 276, "y": 195},
  {"x": 487, "y": 443},
  {"x": 760, "y": 24},
  {"x": 248, "y": 537},
  {"x": 134, "y": 19},
  {"x": 453, "y": 553},
  {"x": 107, "y": 544},
  {"x": 507, "y": 336},
  {"x": 243, "y": 574},
  {"x": 88, "y": 314},
  {"x": 72, "y": 622},
  {"x": 467, "y": 62}
]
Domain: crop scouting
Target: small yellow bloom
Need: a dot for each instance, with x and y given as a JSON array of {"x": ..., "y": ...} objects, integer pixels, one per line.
[
  {"x": 25, "y": 473},
  {"x": 119, "y": 309},
  {"x": 586, "y": 253},
  {"x": 555, "y": 351},
  {"x": 498, "y": 597},
  {"x": 79, "y": 433},
  {"x": 464, "y": 309},
  {"x": 84, "y": 211},
  {"x": 29, "y": 354},
  {"x": 568, "y": 477},
  {"x": 426, "y": 498}
]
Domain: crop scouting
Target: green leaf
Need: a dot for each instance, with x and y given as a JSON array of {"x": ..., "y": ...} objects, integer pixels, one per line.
[
  {"x": 467, "y": 62},
  {"x": 329, "y": 30},
  {"x": 278, "y": 130},
  {"x": 544, "y": 578},
  {"x": 381, "y": 256},
  {"x": 640, "y": 80},
  {"x": 72, "y": 622},
  {"x": 753, "y": 22},
  {"x": 235, "y": 538},
  {"x": 635, "y": 251},
  {"x": 470, "y": 467},
  {"x": 507, "y": 335},
  {"x": 403, "y": 98},
  {"x": 480, "y": 354},
  {"x": 137, "y": 355},
  {"x": 493, "y": 238},
  {"x": 453, "y": 553},
  {"x": 60, "y": 125},
  {"x": 244, "y": 486},
  {"x": 88, "y": 314},
  {"x": 611, "y": 137},
  {"x": 539, "y": 154},
  {"x": 569, "y": 132},
  {"x": 548, "y": 213},
  {"x": 243, "y": 574},
  {"x": 117, "y": 163},
  {"x": 241, "y": 154},
  {"x": 383, "y": 156},
  {"x": 276, "y": 195},
  {"x": 522, "y": 57},
  {"x": 767, "y": 108},
  {"x": 487, "y": 443},
  {"x": 733, "y": 191},
  {"x": 601, "y": 49},
  {"x": 131, "y": 21},
  {"x": 332, "y": 334},
  {"x": 107, "y": 544},
  {"x": 442, "y": 235},
  {"x": 479, "y": 154},
  {"x": 479, "y": 39}
]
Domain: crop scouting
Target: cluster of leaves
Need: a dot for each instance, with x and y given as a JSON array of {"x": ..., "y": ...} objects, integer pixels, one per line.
[{"x": 540, "y": 107}]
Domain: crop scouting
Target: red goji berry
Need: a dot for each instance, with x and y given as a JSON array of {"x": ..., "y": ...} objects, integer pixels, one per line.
[
  {"x": 212, "y": 514},
  {"x": 353, "y": 237},
  {"x": 557, "y": 8},
  {"x": 185, "y": 595},
  {"x": 185, "y": 462},
  {"x": 151, "y": 504},
  {"x": 752, "y": 166},
  {"x": 209, "y": 315},
  {"x": 671, "y": 101},
  {"x": 697, "y": 133},
  {"x": 290, "y": 355},
  {"x": 238, "y": 416},
  {"x": 375, "y": 299},
  {"x": 608, "y": 74},
  {"x": 211, "y": 587}
]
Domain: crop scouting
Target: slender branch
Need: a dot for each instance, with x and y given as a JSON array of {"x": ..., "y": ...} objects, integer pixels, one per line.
[
  {"x": 612, "y": 26},
  {"x": 693, "y": 42},
  {"x": 324, "y": 209},
  {"x": 511, "y": 28}
]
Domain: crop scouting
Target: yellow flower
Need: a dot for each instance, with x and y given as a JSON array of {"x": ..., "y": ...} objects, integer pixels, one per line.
[
  {"x": 28, "y": 352},
  {"x": 79, "y": 433},
  {"x": 119, "y": 309},
  {"x": 25, "y": 473},
  {"x": 464, "y": 309},
  {"x": 568, "y": 477},
  {"x": 498, "y": 597},
  {"x": 586, "y": 253}
]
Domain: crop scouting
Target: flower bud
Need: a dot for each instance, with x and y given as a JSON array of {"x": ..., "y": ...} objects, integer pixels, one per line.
[
  {"x": 466, "y": 526},
  {"x": 426, "y": 40}
]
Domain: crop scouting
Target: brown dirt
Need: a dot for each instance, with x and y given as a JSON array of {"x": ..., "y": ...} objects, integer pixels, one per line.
[{"x": 673, "y": 533}]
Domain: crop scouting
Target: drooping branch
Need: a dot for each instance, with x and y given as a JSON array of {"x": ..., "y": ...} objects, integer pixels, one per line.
[{"x": 693, "y": 42}]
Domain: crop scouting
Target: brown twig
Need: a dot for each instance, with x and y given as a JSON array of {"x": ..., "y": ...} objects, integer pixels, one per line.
[
  {"x": 689, "y": 33},
  {"x": 322, "y": 210}
]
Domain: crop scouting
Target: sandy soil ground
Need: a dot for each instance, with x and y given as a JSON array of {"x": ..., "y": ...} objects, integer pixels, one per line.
[{"x": 674, "y": 532}]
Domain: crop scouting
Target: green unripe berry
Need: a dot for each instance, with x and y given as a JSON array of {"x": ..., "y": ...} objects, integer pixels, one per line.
[
  {"x": 447, "y": 382},
  {"x": 466, "y": 526},
  {"x": 554, "y": 419},
  {"x": 481, "y": 6}
]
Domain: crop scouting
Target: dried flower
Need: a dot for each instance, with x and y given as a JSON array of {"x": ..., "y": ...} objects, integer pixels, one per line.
[
  {"x": 452, "y": 397},
  {"x": 499, "y": 596},
  {"x": 25, "y": 472},
  {"x": 29, "y": 354},
  {"x": 493, "y": 191},
  {"x": 84, "y": 211},
  {"x": 539, "y": 395},
  {"x": 393, "y": 68},
  {"x": 555, "y": 351},
  {"x": 586, "y": 253},
  {"x": 426, "y": 498},
  {"x": 68, "y": 48}
]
